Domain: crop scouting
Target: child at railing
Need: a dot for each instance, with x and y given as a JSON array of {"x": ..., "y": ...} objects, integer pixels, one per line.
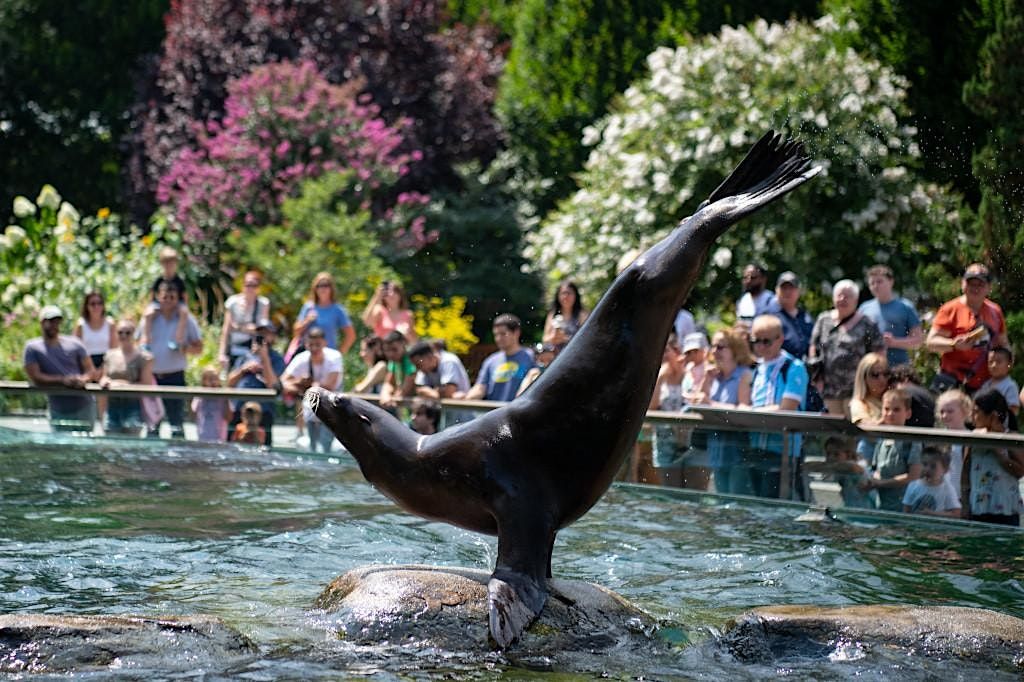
[
  {"x": 847, "y": 469},
  {"x": 426, "y": 416},
  {"x": 249, "y": 429},
  {"x": 993, "y": 473},
  {"x": 896, "y": 462},
  {"x": 952, "y": 409},
  {"x": 932, "y": 494},
  {"x": 212, "y": 414}
]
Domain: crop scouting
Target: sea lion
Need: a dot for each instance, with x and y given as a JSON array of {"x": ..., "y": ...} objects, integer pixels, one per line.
[{"x": 537, "y": 464}]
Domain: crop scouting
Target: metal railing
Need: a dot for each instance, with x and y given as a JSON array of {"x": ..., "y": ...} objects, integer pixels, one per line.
[{"x": 696, "y": 418}]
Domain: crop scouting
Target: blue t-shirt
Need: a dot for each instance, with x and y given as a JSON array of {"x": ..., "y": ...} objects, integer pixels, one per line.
[
  {"x": 502, "y": 374},
  {"x": 769, "y": 387},
  {"x": 65, "y": 358},
  {"x": 725, "y": 448},
  {"x": 796, "y": 330},
  {"x": 332, "y": 319},
  {"x": 255, "y": 379},
  {"x": 897, "y": 317}
]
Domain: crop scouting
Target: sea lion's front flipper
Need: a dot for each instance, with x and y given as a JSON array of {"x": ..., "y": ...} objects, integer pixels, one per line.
[{"x": 514, "y": 601}]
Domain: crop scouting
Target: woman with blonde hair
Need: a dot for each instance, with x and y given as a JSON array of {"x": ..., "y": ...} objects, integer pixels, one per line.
[
  {"x": 322, "y": 310},
  {"x": 870, "y": 381},
  {"x": 727, "y": 384},
  {"x": 869, "y": 384},
  {"x": 388, "y": 311}
]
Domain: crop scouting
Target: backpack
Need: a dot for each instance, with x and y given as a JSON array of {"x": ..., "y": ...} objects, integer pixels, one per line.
[{"x": 813, "y": 402}]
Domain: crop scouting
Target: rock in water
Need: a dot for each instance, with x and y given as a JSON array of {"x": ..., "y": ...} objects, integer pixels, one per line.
[
  {"x": 62, "y": 644},
  {"x": 447, "y": 608},
  {"x": 773, "y": 633}
]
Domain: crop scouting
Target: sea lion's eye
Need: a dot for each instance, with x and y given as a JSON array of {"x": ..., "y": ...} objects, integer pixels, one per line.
[{"x": 365, "y": 418}]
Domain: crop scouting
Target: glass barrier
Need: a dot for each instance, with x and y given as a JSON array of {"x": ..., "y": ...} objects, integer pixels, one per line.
[{"x": 820, "y": 460}]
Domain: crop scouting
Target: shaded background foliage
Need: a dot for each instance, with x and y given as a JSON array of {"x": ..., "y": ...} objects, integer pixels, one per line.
[
  {"x": 442, "y": 79},
  {"x": 99, "y": 96},
  {"x": 66, "y": 88},
  {"x": 569, "y": 59}
]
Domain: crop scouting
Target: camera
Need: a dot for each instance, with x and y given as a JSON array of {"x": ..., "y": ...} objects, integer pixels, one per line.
[{"x": 258, "y": 340}]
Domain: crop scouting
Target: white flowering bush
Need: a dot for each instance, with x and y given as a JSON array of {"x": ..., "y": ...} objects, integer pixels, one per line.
[
  {"x": 50, "y": 254},
  {"x": 674, "y": 136}
]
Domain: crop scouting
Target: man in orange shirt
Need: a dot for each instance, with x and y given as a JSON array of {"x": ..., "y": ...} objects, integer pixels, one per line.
[{"x": 963, "y": 331}]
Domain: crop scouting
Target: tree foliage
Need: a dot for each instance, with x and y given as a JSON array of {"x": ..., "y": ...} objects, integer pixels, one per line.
[
  {"x": 679, "y": 131},
  {"x": 568, "y": 59},
  {"x": 996, "y": 94},
  {"x": 442, "y": 79},
  {"x": 478, "y": 253},
  {"x": 283, "y": 123},
  {"x": 935, "y": 47},
  {"x": 319, "y": 231},
  {"x": 66, "y": 78}
]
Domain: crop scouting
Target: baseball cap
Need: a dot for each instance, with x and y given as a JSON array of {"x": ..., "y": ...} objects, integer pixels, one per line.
[
  {"x": 977, "y": 271},
  {"x": 788, "y": 277},
  {"x": 694, "y": 341},
  {"x": 50, "y": 312},
  {"x": 266, "y": 325}
]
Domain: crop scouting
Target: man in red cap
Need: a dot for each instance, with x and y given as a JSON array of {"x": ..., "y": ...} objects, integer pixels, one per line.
[{"x": 963, "y": 331}]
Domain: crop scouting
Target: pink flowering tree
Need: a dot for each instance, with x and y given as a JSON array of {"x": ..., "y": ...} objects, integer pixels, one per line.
[{"x": 285, "y": 123}]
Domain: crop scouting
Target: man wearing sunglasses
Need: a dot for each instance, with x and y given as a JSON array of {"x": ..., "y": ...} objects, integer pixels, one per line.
[{"x": 779, "y": 383}]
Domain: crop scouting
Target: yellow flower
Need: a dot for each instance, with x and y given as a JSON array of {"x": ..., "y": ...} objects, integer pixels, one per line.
[
  {"x": 148, "y": 240},
  {"x": 103, "y": 213}
]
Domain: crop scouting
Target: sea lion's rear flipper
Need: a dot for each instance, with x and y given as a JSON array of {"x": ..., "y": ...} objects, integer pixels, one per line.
[
  {"x": 518, "y": 587},
  {"x": 514, "y": 601},
  {"x": 771, "y": 158}
]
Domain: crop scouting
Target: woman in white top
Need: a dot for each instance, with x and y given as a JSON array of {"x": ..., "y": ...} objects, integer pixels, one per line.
[
  {"x": 242, "y": 314},
  {"x": 96, "y": 329}
]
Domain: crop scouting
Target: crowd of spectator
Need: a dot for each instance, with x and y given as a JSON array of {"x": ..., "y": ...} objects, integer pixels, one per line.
[{"x": 851, "y": 360}]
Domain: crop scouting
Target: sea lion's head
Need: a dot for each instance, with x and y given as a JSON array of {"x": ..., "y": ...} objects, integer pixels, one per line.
[{"x": 363, "y": 428}]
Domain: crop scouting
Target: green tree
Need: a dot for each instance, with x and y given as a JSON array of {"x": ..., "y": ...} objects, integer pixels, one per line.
[
  {"x": 996, "y": 94},
  {"x": 478, "y": 254},
  {"x": 67, "y": 75},
  {"x": 320, "y": 232},
  {"x": 676, "y": 133},
  {"x": 936, "y": 48},
  {"x": 569, "y": 59}
]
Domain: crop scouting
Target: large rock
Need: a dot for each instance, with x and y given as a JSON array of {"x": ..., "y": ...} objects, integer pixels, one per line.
[
  {"x": 773, "y": 633},
  {"x": 447, "y": 608},
  {"x": 58, "y": 644}
]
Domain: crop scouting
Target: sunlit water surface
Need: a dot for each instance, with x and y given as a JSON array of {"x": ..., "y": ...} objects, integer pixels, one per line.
[{"x": 135, "y": 527}]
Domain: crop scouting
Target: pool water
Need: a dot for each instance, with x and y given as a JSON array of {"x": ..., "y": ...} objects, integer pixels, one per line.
[{"x": 158, "y": 528}]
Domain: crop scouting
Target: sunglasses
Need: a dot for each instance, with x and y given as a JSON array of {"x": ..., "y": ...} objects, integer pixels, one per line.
[
  {"x": 755, "y": 341},
  {"x": 719, "y": 346},
  {"x": 249, "y": 285},
  {"x": 125, "y": 332},
  {"x": 323, "y": 285},
  {"x": 878, "y": 375},
  {"x": 95, "y": 302}
]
